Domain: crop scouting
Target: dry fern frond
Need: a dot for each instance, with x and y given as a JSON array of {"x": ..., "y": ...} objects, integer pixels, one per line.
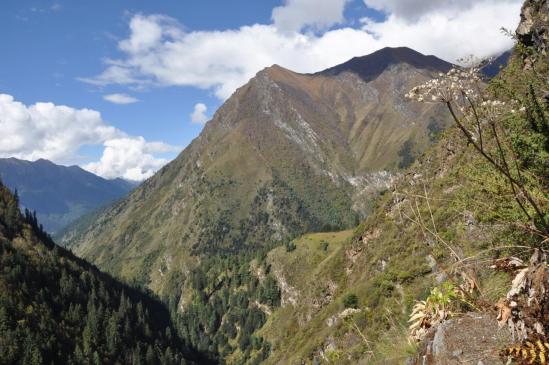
[
  {"x": 509, "y": 264},
  {"x": 529, "y": 352}
]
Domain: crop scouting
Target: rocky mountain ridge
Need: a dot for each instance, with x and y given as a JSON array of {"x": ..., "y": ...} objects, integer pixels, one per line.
[{"x": 288, "y": 153}]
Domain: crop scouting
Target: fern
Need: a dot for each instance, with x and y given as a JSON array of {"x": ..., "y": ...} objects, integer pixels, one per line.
[{"x": 529, "y": 352}]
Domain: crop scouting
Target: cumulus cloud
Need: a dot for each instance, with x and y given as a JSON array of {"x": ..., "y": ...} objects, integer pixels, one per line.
[
  {"x": 294, "y": 15},
  {"x": 56, "y": 133},
  {"x": 199, "y": 116},
  {"x": 160, "y": 52},
  {"x": 120, "y": 98},
  {"x": 474, "y": 31},
  {"x": 130, "y": 157},
  {"x": 46, "y": 130}
]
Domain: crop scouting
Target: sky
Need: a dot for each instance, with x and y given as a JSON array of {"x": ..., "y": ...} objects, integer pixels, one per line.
[{"x": 121, "y": 87}]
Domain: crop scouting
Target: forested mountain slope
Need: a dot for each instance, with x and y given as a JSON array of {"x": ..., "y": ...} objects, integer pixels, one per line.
[{"x": 57, "y": 309}]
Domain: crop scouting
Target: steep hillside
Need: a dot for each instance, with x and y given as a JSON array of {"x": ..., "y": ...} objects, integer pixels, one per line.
[
  {"x": 387, "y": 263},
  {"x": 286, "y": 154},
  {"x": 59, "y": 194},
  {"x": 448, "y": 202},
  {"x": 58, "y": 309},
  {"x": 452, "y": 232}
]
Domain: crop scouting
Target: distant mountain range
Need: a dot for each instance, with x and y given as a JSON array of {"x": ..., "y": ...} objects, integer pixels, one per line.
[
  {"x": 59, "y": 194},
  {"x": 493, "y": 68}
]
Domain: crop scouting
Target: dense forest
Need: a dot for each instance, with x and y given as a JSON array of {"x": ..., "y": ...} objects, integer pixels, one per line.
[
  {"x": 58, "y": 309},
  {"x": 227, "y": 302}
]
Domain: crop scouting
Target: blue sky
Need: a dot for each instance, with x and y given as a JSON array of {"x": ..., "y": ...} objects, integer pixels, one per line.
[{"x": 164, "y": 57}]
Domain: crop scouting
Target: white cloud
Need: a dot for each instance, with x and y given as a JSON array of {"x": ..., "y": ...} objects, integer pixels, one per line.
[
  {"x": 452, "y": 35},
  {"x": 119, "y": 72},
  {"x": 120, "y": 98},
  {"x": 166, "y": 55},
  {"x": 130, "y": 157},
  {"x": 199, "y": 116},
  {"x": 56, "y": 133},
  {"x": 46, "y": 130},
  {"x": 294, "y": 15}
]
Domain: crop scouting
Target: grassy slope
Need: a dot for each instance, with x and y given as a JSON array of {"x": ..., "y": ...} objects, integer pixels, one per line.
[
  {"x": 313, "y": 277},
  {"x": 385, "y": 263}
]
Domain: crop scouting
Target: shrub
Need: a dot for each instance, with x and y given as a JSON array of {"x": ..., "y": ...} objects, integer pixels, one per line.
[
  {"x": 350, "y": 301},
  {"x": 324, "y": 245},
  {"x": 290, "y": 246}
]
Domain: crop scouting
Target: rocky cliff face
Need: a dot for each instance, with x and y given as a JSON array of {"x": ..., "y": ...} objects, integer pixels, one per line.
[
  {"x": 533, "y": 30},
  {"x": 286, "y": 154}
]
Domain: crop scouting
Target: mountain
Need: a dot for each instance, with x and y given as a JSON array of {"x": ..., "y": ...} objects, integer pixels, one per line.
[
  {"x": 56, "y": 308},
  {"x": 59, "y": 194},
  {"x": 287, "y": 153},
  {"x": 493, "y": 68},
  {"x": 371, "y": 66},
  {"x": 433, "y": 239}
]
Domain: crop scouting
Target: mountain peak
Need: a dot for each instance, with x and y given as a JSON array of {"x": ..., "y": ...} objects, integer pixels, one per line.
[
  {"x": 44, "y": 162},
  {"x": 370, "y": 66},
  {"x": 275, "y": 67},
  {"x": 275, "y": 70}
]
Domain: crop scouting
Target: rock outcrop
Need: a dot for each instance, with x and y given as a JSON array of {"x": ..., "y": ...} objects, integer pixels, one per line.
[
  {"x": 533, "y": 30},
  {"x": 474, "y": 338}
]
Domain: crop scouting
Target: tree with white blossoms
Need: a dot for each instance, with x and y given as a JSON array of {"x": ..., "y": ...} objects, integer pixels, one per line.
[{"x": 480, "y": 120}]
